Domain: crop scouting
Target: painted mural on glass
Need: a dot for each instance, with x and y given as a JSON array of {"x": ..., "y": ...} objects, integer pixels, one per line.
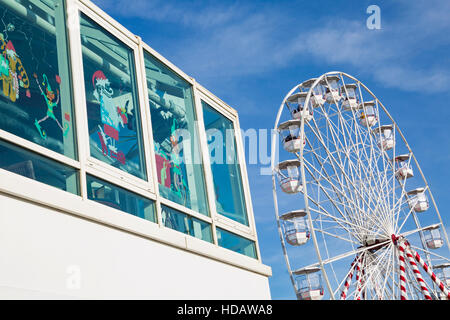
[
  {"x": 111, "y": 98},
  {"x": 35, "y": 98},
  {"x": 178, "y": 161}
]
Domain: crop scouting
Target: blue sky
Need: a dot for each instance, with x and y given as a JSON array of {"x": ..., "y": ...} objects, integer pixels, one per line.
[{"x": 251, "y": 53}]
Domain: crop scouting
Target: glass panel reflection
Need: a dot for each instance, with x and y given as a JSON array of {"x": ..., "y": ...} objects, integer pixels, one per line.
[
  {"x": 236, "y": 243},
  {"x": 119, "y": 198},
  {"x": 178, "y": 160},
  {"x": 112, "y": 105},
  {"x": 31, "y": 165},
  {"x": 226, "y": 171},
  {"x": 181, "y": 222},
  {"x": 35, "y": 85}
]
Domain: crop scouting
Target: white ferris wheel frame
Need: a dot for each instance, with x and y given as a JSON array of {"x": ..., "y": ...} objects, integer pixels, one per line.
[{"x": 300, "y": 155}]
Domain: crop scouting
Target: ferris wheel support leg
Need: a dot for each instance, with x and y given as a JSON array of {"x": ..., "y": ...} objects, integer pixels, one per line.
[
  {"x": 358, "y": 279},
  {"x": 436, "y": 280},
  {"x": 349, "y": 278},
  {"x": 416, "y": 271},
  {"x": 402, "y": 265}
]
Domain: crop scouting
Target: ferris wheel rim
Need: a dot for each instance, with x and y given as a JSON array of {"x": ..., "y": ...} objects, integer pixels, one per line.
[{"x": 300, "y": 156}]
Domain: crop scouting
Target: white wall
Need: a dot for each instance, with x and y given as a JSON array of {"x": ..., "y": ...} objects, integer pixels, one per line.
[{"x": 45, "y": 253}]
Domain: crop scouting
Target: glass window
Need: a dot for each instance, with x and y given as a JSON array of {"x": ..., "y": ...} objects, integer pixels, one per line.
[
  {"x": 178, "y": 160},
  {"x": 35, "y": 86},
  {"x": 236, "y": 243},
  {"x": 226, "y": 172},
  {"x": 121, "y": 199},
  {"x": 37, "y": 167},
  {"x": 176, "y": 220},
  {"x": 112, "y": 101}
]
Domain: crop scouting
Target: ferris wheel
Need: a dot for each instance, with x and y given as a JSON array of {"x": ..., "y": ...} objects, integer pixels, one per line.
[{"x": 355, "y": 214}]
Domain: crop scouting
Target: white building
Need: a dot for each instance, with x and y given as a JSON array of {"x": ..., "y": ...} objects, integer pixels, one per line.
[{"x": 107, "y": 187}]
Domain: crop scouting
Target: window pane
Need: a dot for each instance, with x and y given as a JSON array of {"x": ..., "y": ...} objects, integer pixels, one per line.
[
  {"x": 178, "y": 160},
  {"x": 112, "y": 104},
  {"x": 121, "y": 199},
  {"x": 225, "y": 168},
  {"x": 236, "y": 243},
  {"x": 37, "y": 167},
  {"x": 176, "y": 220},
  {"x": 35, "y": 95}
]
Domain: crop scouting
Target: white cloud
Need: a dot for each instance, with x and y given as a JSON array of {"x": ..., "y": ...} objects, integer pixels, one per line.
[
  {"x": 226, "y": 41},
  {"x": 189, "y": 13}
]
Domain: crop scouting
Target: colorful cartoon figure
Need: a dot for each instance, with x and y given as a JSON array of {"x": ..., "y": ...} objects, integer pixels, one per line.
[
  {"x": 179, "y": 185},
  {"x": 49, "y": 97},
  {"x": 163, "y": 167},
  {"x": 113, "y": 116},
  {"x": 12, "y": 73}
]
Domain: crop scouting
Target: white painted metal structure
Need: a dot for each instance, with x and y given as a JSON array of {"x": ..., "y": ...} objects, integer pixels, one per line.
[
  {"x": 357, "y": 203},
  {"x": 54, "y": 244}
]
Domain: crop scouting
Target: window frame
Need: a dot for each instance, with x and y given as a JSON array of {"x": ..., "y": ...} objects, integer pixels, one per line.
[
  {"x": 41, "y": 150},
  {"x": 224, "y": 110},
  {"x": 253, "y": 241},
  {"x": 160, "y": 199},
  {"x": 91, "y": 164},
  {"x": 190, "y": 215},
  {"x": 139, "y": 194}
]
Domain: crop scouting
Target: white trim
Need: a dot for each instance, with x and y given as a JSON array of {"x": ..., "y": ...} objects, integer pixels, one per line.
[
  {"x": 38, "y": 149},
  {"x": 224, "y": 107},
  {"x": 114, "y": 27},
  {"x": 120, "y": 183},
  {"x": 150, "y": 147},
  {"x": 167, "y": 63},
  {"x": 78, "y": 94},
  {"x": 145, "y": 122},
  {"x": 210, "y": 193},
  {"x": 101, "y": 165},
  {"x": 41, "y": 194},
  {"x": 246, "y": 183},
  {"x": 185, "y": 210},
  {"x": 216, "y": 104}
]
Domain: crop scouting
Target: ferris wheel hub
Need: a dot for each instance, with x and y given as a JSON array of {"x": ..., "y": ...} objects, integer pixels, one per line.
[{"x": 374, "y": 244}]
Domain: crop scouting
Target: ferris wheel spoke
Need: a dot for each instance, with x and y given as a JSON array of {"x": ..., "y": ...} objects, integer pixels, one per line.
[
  {"x": 342, "y": 222},
  {"x": 375, "y": 270},
  {"x": 337, "y": 191},
  {"x": 336, "y": 204},
  {"x": 345, "y": 225},
  {"x": 309, "y": 168},
  {"x": 370, "y": 178},
  {"x": 410, "y": 212},
  {"x": 335, "y": 170},
  {"x": 336, "y": 236}
]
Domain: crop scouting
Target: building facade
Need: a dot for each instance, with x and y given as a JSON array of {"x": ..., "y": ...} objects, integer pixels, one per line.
[{"x": 120, "y": 176}]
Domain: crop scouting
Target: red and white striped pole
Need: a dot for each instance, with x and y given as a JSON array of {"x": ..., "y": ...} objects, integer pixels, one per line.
[
  {"x": 436, "y": 280},
  {"x": 423, "y": 287},
  {"x": 349, "y": 279},
  {"x": 402, "y": 266},
  {"x": 358, "y": 279}
]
